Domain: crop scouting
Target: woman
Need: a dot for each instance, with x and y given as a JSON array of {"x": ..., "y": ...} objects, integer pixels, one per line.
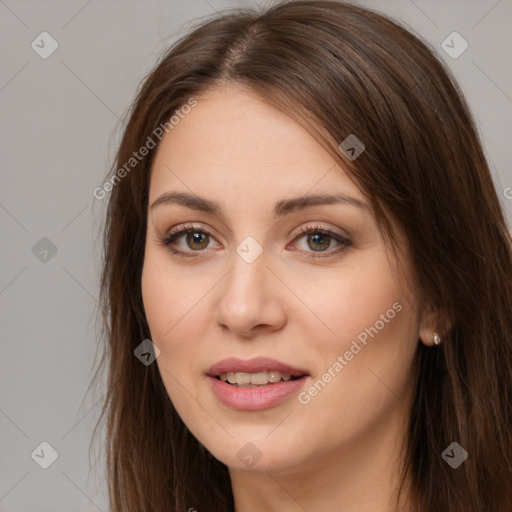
[{"x": 307, "y": 277}]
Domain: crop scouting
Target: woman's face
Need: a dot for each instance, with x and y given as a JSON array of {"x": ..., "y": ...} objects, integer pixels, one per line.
[{"x": 324, "y": 323}]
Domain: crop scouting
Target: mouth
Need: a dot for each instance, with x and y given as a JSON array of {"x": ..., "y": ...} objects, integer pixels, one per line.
[{"x": 255, "y": 384}]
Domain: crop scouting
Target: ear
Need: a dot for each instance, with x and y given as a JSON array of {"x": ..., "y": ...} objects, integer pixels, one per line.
[{"x": 432, "y": 321}]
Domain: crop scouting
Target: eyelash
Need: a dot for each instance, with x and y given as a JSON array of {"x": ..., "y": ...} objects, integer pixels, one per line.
[{"x": 168, "y": 239}]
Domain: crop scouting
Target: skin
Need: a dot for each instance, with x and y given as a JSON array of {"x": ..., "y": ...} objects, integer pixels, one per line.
[{"x": 340, "y": 451}]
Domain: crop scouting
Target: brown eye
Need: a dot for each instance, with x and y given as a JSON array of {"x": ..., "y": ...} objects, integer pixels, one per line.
[
  {"x": 196, "y": 239},
  {"x": 321, "y": 240},
  {"x": 318, "y": 240}
]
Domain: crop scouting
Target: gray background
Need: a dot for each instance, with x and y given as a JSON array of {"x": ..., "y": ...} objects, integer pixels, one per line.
[{"x": 60, "y": 126}]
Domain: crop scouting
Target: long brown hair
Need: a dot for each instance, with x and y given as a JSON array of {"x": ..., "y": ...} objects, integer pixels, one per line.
[{"x": 337, "y": 69}]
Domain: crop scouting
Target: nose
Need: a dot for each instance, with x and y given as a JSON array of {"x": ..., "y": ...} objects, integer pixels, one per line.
[{"x": 250, "y": 298}]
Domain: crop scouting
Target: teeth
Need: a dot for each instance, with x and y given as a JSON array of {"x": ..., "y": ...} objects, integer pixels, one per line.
[
  {"x": 274, "y": 376},
  {"x": 243, "y": 379},
  {"x": 259, "y": 378}
]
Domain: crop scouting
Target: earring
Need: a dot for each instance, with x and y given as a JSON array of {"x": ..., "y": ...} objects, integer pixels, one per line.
[{"x": 437, "y": 338}]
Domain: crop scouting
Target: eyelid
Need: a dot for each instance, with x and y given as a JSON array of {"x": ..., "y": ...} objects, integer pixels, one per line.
[
  {"x": 322, "y": 229},
  {"x": 181, "y": 230},
  {"x": 189, "y": 226}
]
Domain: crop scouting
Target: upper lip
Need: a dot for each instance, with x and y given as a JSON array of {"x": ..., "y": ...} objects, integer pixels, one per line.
[{"x": 255, "y": 365}]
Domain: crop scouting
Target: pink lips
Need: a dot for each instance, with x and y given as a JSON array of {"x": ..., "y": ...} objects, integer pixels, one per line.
[{"x": 257, "y": 398}]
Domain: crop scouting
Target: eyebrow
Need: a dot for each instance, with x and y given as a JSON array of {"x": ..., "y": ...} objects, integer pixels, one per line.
[{"x": 281, "y": 208}]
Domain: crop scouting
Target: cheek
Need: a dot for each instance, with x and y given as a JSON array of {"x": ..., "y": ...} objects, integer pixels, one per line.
[
  {"x": 177, "y": 318},
  {"x": 360, "y": 296},
  {"x": 373, "y": 325},
  {"x": 169, "y": 298},
  {"x": 172, "y": 321}
]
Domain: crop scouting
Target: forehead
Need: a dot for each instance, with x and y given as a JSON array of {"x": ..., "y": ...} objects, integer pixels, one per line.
[{"x": 233, "y": 142}]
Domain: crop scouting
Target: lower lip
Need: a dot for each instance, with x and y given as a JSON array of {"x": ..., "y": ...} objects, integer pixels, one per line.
[{"x": 254, "y": 399}]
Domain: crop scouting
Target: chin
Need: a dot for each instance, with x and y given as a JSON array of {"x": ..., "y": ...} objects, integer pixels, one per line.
[{"x": 257, "y": 453}]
